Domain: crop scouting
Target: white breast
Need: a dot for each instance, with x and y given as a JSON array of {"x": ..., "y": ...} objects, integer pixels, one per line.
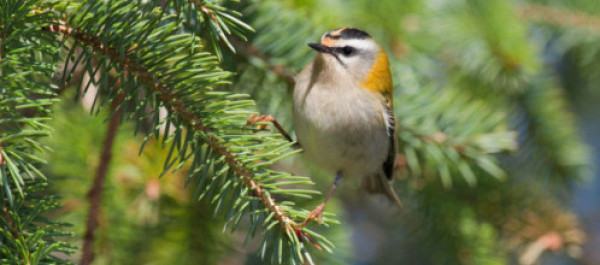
[{"x": 340, "y": 126}]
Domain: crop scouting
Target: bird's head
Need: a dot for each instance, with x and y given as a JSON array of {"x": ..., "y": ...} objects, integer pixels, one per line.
[{"x": 353, "y": 51}]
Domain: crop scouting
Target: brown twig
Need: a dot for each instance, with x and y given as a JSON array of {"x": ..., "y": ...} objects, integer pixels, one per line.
[
  {"x": 95, "y": 193},
  {"x": 203, "y": 9},
  {"x": 560, "y": 17}
]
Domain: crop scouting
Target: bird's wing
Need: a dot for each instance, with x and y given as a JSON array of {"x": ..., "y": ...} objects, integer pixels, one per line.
[
  {"x": 387, "y": 177},
  {"x": 388, "y": 165}
]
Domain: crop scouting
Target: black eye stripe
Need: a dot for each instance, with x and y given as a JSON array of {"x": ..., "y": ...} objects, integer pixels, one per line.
[{"x": 346, "y": 50}]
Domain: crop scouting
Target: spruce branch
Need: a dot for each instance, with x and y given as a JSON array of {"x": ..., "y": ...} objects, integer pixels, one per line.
[
  {"x": 26, "y": 92},
  {"x": 458, "y": 136},
  {"x": 27, "y": 62},
  {"x": 26, "y": 236},
  {"x": 129, "y": 66},
  {"x": 257, "y": 184},
  {"x": 178, "y": 107}
]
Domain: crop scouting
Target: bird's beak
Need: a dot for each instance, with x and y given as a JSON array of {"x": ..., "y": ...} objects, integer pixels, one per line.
[{"x": 320, "y": 47}]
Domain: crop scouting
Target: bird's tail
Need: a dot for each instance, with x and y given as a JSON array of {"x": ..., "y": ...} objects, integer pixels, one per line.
[{"x": 379, "y": 183}]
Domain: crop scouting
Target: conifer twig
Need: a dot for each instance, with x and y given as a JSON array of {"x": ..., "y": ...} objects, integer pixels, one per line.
[
  {"x": 203, "y": 9},
  {"x": 95, "y": 193}
]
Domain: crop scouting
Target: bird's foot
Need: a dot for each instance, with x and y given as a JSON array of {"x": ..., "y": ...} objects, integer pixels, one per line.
[
  {"x": 316, "y": 213},
  {"x": 255, "y": 118}
]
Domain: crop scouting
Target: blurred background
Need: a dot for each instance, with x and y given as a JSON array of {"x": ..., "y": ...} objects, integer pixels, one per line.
[{"x": 477, "y": 84}]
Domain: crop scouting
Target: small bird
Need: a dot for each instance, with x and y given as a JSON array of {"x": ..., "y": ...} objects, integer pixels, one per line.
[{"x": 343, "y": 112}]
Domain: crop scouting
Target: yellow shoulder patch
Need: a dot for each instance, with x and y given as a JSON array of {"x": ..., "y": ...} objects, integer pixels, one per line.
[{"x": 380, "y": 78}]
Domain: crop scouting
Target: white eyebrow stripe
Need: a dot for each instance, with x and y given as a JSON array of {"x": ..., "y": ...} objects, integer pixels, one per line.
[{"x": 364, "y": 44}]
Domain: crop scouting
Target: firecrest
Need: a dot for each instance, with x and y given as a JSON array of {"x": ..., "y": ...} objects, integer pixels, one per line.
[{"x": 343, "y": 112}]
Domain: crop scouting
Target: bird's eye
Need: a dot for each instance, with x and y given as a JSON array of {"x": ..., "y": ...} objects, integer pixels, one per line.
[{"x": 347, "y": 50}]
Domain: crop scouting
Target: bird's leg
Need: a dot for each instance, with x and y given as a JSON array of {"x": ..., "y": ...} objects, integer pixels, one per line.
[
  {"x": 318, "y": 211},
  {"x": 268, "y": 118}
]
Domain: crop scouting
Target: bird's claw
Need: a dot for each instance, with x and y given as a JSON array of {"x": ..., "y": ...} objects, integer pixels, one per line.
[{"x": 255, "y": 118}]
